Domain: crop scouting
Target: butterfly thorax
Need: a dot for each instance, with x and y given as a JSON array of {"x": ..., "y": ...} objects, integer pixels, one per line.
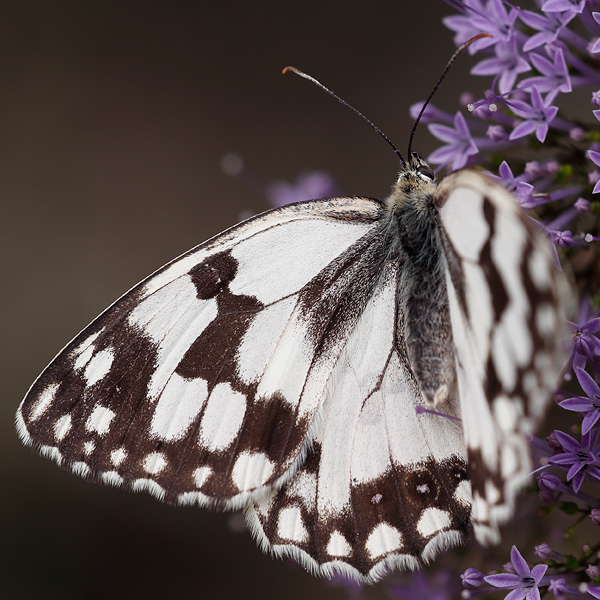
[{"x": 414, "y": 220}]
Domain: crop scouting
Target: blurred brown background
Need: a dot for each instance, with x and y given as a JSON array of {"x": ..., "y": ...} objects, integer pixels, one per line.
[{"x": 114, "y": 116}]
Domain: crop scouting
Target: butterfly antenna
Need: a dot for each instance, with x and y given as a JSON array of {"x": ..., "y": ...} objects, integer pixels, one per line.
[
  {"x": 318, "y": 83},
  {"x": 437, "y": 85}
]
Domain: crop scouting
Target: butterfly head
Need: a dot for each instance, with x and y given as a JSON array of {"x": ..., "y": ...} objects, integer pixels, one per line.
[
  {"x": 416, "y": 180},
  {"x": 418, "y": 166}
]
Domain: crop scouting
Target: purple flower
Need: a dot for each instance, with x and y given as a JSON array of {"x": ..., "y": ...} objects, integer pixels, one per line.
[
  {"x": 564, "y": 239},
  {"x": 555, "y": 75},
  {"x": 559, "y": 588},
  {"x": 496, "y": 133},
  {"x": 582, "y": 205},
  {"x": 537, "y": 116},
  {"x": 459, "y": 143},
  {"x": 508, "y": 62},
  {"x": 558, "y": 5},
  {"x": 590, "y": 404},
  {"x": 309, "y": 185},
  {"x": 524, "y": 583},
  {"x": 596, "y": 47},
  {"x": 596, "y": 95},
  {"x": 586, "y": 346},
  {"x": 432, "y": 113},
  {"x": 508, "y": 568},
  {"x": 534, "y": 169},
  {"x": 578, "y": 458},
  {"x": 491, "y": 18},
  {"x": 549, "y": 26},
  {"x": 595, "y": 516},
  {"x": 472, "y": 578},
  {"x": 577, "y": 134},
  {"x": 553, "y": 442},
  {"x": 545, "y": 552},
  {"x": 592, "y": 571},
  {"x": 550, "y": 482},
  {"x": 595, "y": 157},
  {"x": 515, "y": 185}
]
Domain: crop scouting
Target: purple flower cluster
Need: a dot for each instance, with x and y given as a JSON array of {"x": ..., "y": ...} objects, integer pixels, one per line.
[
  {"x": 534, "y": 58},
  {"x": 520, "y": 134},
  {"x": 524, "y": 583}
]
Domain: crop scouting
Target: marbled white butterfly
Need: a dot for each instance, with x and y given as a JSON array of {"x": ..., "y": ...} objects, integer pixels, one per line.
[{"x": 283, "y": 367}]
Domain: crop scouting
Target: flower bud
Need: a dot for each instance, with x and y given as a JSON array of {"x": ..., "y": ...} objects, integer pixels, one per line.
[{"x": 472, "y": 577}]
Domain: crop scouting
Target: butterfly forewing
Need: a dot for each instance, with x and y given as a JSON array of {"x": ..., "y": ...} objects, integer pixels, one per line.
[
  {"x": 506, "y": 323},
  {"x": 193, "y": 384}
]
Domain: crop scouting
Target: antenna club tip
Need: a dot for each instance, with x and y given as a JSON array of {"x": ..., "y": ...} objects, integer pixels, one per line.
[
  {"x": 477, "y": 37},
  {"x": 287, "y": 70}
]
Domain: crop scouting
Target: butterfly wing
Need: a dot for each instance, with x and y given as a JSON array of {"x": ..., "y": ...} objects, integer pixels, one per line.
[
  {"x": 269, "y": 368},
  {"x": 506, "y": 324},
  {"x": 200, "y": 385},
  {"x": 382, "y": 486}
]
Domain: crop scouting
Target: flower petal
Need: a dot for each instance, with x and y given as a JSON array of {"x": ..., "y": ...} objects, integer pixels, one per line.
[
  {"x": 594, "y": 156},
  {"x": 590, "y": 420},
  {"x": 568, "y": 443},
  {"x": 519, "y": 563},
  {"x": 517, "y": 594},
  {"x": 522, "y": 129},
  {"x": 542, "y": 132},
  {"x": 538, "y": 572},
  {"x": 443, "y": 132},
  {"x": 576, "y": 404},
  {"x": 590, "y": 387},
  {"x": 533, "y": 594},
  {"x": 503, "y": 580},
  {"x": 592, "y": 326}
]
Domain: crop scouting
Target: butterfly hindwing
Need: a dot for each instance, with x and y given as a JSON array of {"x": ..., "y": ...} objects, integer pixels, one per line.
[
  {"x": 506, "y": 321},
  {"x": 201, "y": 383},
  {"x": 382, "y": 486}
]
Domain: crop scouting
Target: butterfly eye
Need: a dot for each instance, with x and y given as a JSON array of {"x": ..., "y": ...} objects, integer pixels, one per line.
[{"x": 427, "y": 171}]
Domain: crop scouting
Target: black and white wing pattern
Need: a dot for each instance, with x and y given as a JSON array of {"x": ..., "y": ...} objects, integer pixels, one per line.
[
  {"x": 283, "y": 367},
  {"x": 201, "y": 384},
  {"x": 382, "y": 486},
  {"x": 507, "y": 321}
]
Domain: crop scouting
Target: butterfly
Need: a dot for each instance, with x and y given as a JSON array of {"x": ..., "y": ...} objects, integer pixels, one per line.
[{"x": 360, "y": 376}]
